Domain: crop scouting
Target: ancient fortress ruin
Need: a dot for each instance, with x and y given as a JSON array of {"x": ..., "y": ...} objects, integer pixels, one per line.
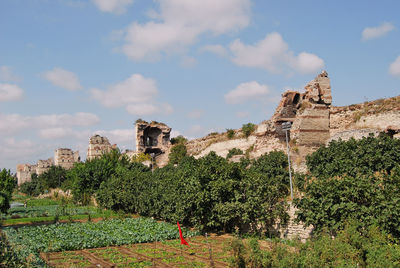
[
  {"x": 98, "y": 145},
  {"x": 63, "y": 157},
  {"x": 314, "y": 122}
]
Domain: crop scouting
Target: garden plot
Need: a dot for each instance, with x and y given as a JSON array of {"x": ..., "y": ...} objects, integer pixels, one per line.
[
  {"x": 202, "y": 252},
  {"x": 28, "y": 242}
]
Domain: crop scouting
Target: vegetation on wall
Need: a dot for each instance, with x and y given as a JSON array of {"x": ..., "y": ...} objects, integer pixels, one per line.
[
  {"x": 234, "y": 151},
  {"x": 178, "y": 139},
  {"x": 248, "y": 129},
  {"x": 230, "y": 133}
]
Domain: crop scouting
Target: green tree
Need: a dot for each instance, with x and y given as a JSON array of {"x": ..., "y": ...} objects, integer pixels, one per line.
[
  {"x": 54, "y": 177},
  {"x": 178, "y": 152},
  {"x": 353, "y": 180},
  {"x": 7, "y": 185},
  {"x": 178, "y": 139},
  {"x": 7, "y": 182},
  {"x": 354, "y": 157},
  {"x": 85, "y": 179}
]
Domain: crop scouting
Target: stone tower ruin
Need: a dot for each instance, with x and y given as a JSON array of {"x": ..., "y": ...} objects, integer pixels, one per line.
[
  {"x": 66, "y": 158},
  {"x": 98, "y": 145},
  {"x": 308, "y": 112},
  {"x": 152, "y": 137}
]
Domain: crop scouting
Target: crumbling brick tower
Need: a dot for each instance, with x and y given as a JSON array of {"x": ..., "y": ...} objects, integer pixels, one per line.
[
  {"x": 308, "y": 112},
  {"x": 98, "y": 146},
  {"x": 153, "y": 138}
]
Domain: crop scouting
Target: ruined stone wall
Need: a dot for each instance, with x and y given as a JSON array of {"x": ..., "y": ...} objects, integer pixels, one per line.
[
  {"x": 66, "y": 158},
  {"x": 24, "y": 173},
  {"x": 311, "y": 126},
  {"x": 44, "y": 165},
  {"x": 309, "y": 113},
  {"x": 293, "y": 230},
  {"x": 369, "y": 117},
  {"x": 98, "y": 145}
]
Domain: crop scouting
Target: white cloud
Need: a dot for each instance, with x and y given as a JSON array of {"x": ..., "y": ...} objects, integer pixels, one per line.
[
  {"x": 376, "y": 32},
  {"x": 61, "y": 132},
  {"x": 178, "y": 24},
  {"x": 137, "y": 93},
  {"x": 7, "y": 75},
  {"x": 215, "y": 49},
  {"x": 63, "y": 78},
  {"x": 118, "y": 136},
  {"x": 142, "y": 109},
  {"x": 247, "y": 91},
  {"x": 174, "y": 133},
  {"x": 394, "y": 68},
  {"x": 14, "y": 123},
  {"x": 307, "y": 63},
  {"x": 135, "y": 89},
  {"x": 10, "y": 92},
  {"x": 273, "y": 54},
  {"x": 77, "y": 119},
  {"x": 117, "y": 7},
  {"x": 11, "y": 149}
]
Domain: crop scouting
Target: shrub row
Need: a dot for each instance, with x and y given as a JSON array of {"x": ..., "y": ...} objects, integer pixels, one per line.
[{"x": 209, "y": 193}]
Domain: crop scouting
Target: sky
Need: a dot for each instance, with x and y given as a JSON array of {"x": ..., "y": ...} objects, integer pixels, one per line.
[{"x": 73, "y": 68}]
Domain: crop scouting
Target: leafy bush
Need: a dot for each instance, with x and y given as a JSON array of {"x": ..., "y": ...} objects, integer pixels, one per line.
[
  {"x": 7, "y": 185},
  {"x": 35, "y": 187},
  {"x": 234, "y": 151},
  {"x": 209, "y": 193},
  {"x": 27, "y": 188},
  {"x": 248, "y": 128},
  {"x": 4, "y": 202},
  {"x": 178, "y": 139},
  {"x": 230, "y": 133},
  {"x": 8, "y": 257},
  {"x": 7, "y": 182},
  {"x": 354, "y": 179},
  {"x": 350, "y": 248},
  {"x": 141, "y": 157},
  {"x": 178, "y": 152},
  {"x": 84, "y": 179},
  {"x": 54, "y": 177},
  {"x": 355, "y": 157}
]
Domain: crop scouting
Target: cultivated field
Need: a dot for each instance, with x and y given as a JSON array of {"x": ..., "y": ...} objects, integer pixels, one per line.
[{"x": 202, "y": 252}]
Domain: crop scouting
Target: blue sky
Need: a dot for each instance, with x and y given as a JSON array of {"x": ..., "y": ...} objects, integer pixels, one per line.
[{"x": 73, "y": 68}]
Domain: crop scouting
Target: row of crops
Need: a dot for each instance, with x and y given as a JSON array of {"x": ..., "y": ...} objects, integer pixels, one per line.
[
  {"x": 46, "y": 211},
  {"x": 29, "y": 241}
]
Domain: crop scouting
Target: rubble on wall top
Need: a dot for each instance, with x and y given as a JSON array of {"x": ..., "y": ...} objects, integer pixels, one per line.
[{"x": 97, "y": 139}]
